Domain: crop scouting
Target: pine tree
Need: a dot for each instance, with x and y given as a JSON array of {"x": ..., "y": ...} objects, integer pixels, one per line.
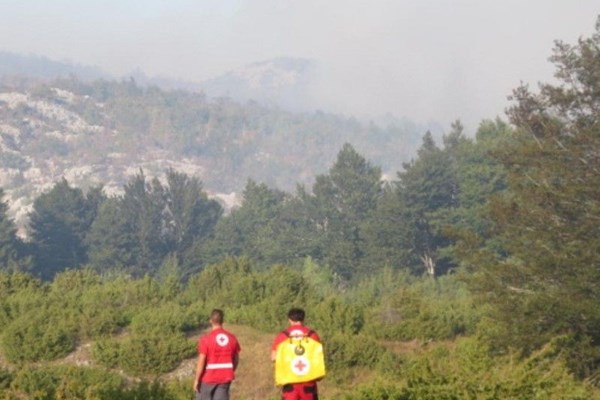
[
  {"x": 546, "y": 280},
  {"x": 427, "y": 188},
  {"x": 12, "y": 257},
  {"x": 344, "y": 199},
  {"x": 59, "y": 223}
]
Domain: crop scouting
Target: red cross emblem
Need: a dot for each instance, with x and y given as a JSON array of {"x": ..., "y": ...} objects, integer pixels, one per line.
[{"x": 300, "y": 365}]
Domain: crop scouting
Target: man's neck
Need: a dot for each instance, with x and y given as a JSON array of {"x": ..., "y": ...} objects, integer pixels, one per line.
[{"x": 216, "y": 326}]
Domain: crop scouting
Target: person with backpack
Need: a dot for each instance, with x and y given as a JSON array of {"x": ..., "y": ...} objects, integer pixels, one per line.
[
  {"x": 299, "y": 360},
  {"x": 218, "y": 357}
]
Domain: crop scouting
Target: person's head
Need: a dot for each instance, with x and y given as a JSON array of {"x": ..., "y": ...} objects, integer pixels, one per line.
[
  {"x": 296, "y": 315},
  {"x": 217, "y": 317}
]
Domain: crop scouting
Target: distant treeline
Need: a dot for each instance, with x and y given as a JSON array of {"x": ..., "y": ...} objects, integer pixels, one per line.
[{"x": 351, "y": 220}]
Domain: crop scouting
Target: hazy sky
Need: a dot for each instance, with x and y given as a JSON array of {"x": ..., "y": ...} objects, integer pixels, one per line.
[{"x": 423, "y": 59}]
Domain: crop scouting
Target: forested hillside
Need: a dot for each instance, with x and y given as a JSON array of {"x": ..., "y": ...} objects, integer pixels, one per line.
[
  {"x": 473, "y": 274},
  {"x": 104, "y": 132}
]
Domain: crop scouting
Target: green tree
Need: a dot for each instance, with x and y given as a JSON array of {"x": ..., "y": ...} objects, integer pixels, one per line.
[
  {"x": 110, "y": 241},
  {"x": 388, "y": 233},
  {"x": 190, "y": 218},
  {"x": 59, "y": 223},
  {"x": 248, "y": 230},
  {"x": 143, "y": 206},
  {"x": 343, "y": 199},
  {"x": 479, "y": 174},
  {"x": 546, "y": 282},
  {"x": 428, "y": 188},
  {"x": 12, "y": 249}
]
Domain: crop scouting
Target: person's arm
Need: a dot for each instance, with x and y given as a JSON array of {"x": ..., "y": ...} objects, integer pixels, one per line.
[
  {"x": 236, "y": 360},
  {"x": 273, "y": 355},
  {"x": 199, "y": 371}
]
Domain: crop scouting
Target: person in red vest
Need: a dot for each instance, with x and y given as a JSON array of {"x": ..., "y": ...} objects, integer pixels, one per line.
[
  {"x": 296, "y": 328},
  {"x": 218, "y": 356}
]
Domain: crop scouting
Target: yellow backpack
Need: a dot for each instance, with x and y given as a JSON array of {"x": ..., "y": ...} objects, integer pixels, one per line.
[{"x": 299, "y": 359}]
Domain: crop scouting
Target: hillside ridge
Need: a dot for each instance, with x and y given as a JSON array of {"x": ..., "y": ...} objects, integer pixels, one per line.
[{"x": 106, "y": 132}]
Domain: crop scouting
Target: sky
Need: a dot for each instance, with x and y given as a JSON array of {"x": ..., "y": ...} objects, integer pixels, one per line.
[{"x": 426, "y": 60}]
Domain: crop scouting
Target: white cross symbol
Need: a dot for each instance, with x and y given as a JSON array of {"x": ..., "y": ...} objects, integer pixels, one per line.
[{"x": 222, "y": 339}]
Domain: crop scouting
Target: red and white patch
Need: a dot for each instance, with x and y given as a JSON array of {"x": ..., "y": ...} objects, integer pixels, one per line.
[
  {"x": 297, "y": 334},
  {"x": 300, "y": 365},
  {"x": 222, "y": 339}
]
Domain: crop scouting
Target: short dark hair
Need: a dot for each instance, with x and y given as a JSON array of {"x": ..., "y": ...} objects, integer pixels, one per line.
[
  {"x": 217, "y": 316},
  {"x": 296, "y": 315}
]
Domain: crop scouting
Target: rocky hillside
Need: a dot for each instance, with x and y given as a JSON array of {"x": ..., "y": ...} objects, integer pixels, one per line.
[
  {"x": 106, "y": 131},
  {"x": 42, "y": 140}
]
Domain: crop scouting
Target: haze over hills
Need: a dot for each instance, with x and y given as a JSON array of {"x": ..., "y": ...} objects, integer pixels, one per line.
[
  {"x": 285, "y": 82},
  {"x": 280, "y": 82},
  {"x": 54, "y": 124},
  {"x": 31, "y": 66}
]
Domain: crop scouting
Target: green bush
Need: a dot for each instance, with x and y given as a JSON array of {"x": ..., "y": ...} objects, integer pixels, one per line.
[
  {"x": 144, "y": 390},
  {"x": 105, "y": 309},
  {"x": 19, "y": 294},
  {"x": 332, "y": 315},
  {"x": 378, "y": 392},
  {"x": 5, "y": 379},
  {"x": 343, "y": 352},
  {"x": 64, "y": 382},
  {"x": 167, "y": 319},
  {"x": 74, "y": 282},
  {"x": 100, "y": 322},
  {"x": 107, "y": 352},
  {"x": 13, "y": 282},
  {"x": 37, "y": 336},
  {"x": 468, "y": 371},
  {"x": 427, "y": 310},
  {"x": 5, "y": 317},
  {"x": 140, "y": 355}
]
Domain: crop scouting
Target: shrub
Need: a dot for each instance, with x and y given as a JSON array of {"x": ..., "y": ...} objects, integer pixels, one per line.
[
  {"x": 5, "y": 379},
  {"x": 139, "y": 355},
  {"x": 107, "y": 352},
  {"x": 144, "y": 390},
  {"x": 438, "y": 310},
  {"x": 36, "y": 336},
  {"x": 332, "y": 315},
  {"x": 347, "y": 351},
  {"x": 467, "y": 370},
  {"x": 378, "y": 392},
  {"x": 167, "y": 319},
  {"x": 64, "y": 382},
  {"x": 155, "y": 354}
]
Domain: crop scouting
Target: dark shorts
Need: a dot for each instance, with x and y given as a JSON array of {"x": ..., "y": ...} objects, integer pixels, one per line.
[
  {"x": 213, "y": 391},
  {"x": 300, "y": 391}
]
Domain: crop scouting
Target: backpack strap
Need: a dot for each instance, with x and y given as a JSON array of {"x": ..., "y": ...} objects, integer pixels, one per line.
[
  {"x": 306, "y": 335},
  {"x": 287, "y": 334}
]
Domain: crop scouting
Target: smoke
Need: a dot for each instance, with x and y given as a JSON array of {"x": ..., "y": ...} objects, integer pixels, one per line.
[{"x": 422, "y": 59}]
